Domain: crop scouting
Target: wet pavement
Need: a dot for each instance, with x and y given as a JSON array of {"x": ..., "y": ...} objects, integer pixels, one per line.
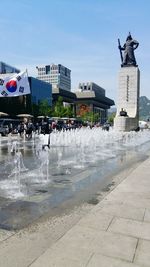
[{"x": 71, "y": 179}]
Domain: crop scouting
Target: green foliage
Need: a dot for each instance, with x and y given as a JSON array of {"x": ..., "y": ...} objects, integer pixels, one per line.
[
  {"x": 111, "y": 118},
  {"x": 44, "y": 108},
  {"x": 68, "y": 112},
  {"x": 144, "y": 109},
  {"x": 60, "y": 111},
  {"x": 91, "y": 117}
]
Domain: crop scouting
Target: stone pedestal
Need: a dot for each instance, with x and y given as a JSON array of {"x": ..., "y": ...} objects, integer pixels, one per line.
[{"x": 128, "y": 99}]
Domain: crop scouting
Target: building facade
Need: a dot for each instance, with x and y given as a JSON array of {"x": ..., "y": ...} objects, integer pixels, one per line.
[
  {"x": 5, "y": 68},
  {"x": 54, "y": 81},
  {"x": 39, "y": 90},
  {"x": 28, "y": 103},
  {"x": 90, "y": 86},
  {"x": 91, "y": 98},
  {"x": 57, "y": 75}
]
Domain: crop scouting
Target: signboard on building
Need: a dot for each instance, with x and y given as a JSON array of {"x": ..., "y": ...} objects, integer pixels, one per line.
[{"x": 81, "y": 109}]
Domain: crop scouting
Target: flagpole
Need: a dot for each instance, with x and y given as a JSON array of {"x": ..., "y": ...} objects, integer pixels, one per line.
[
  {"x": 25, "y": 97},
  {"x": 27, "y": 72}
]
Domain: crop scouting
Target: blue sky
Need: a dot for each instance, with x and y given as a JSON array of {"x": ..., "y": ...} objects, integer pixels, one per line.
[{"x": 80, "y": 34}]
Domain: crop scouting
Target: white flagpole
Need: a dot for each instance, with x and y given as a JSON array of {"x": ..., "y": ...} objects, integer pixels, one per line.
[{"x": 27, "y": 72}]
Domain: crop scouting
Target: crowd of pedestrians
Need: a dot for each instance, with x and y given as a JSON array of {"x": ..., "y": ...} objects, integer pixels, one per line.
[{"x": 45, "y": 126}]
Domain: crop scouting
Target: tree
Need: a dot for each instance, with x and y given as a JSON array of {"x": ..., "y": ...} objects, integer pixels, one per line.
[
  {"x": 44, "y": 108},
  {"x": 68, "y": 112},
  {"x": 91, "y": 117},
  {"x": 58, "y": 107},
  {"x": 60, "y": 111},
  {"x": 111, "y": 117}
]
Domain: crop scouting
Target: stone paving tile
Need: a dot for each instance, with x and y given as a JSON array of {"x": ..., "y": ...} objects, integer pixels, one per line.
[
  {"x": 142, "y": 256},
  {"x": 131, "y": 228},
  {"x": 77, "y": 236},
  {"x": 140, "y": 203},
  {"x": 99, "y": 260},
  {"x": 123, "y": 210},
  {"x": 147, "y": 215},
  {"x": 134, "y": 199},
  {"x": 116, "y": 195},
  {"x": 114, "y": 245},
  {"x": 142, "y": 170},
  {"x": 56, "y": 262},
  {"x": 134, "y": 187},
  {"x": 72, "y": 250},
  {"x": 97, "y": 221},
  {"x": 5, "y": 234},
  {"x": 64, "y": 257}
]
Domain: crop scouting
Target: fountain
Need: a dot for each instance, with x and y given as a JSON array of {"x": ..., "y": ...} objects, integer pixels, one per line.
[
  {"x": 48, "y": 170},
  {"x": 42, "y": 152}
]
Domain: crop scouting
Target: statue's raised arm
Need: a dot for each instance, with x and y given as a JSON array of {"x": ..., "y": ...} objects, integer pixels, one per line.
[
  {"x": 128, "y": 59},
  {"x": 136, "y": 44}
]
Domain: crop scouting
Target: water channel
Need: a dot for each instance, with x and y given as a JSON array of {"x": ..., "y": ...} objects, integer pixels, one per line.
[{"x": 36, "y": 179}]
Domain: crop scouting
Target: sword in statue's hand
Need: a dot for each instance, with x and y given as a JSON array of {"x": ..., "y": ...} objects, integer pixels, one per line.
[{"x": 119, "y": 46}]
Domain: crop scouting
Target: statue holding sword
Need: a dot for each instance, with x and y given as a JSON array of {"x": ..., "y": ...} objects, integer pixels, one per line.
[{"x": 128, "y": 59}]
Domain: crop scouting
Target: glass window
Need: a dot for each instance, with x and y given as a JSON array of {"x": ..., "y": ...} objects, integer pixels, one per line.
[{"x": 48, "y": 69}]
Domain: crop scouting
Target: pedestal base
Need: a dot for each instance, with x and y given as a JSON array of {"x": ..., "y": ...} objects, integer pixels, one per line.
[
  {"x": 125, "y": 124},
  {"x": 128, "y": 99}
]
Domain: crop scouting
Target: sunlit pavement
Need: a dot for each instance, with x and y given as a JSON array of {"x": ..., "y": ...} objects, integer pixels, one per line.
[{"x": 115, "y": 233}]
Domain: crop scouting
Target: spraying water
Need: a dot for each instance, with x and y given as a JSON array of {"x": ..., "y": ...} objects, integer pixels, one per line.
[{"x": 47, "y": 159}]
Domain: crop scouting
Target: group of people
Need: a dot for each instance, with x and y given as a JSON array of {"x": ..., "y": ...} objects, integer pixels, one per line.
[
  {"x": 46, "y": 126},
  {"x": 26, "y": 128}
]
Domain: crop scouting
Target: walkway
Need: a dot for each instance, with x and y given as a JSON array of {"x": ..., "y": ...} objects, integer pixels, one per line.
[{"x": 116, "y": 233}]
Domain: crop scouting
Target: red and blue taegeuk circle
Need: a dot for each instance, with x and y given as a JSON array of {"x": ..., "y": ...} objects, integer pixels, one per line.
[{"x": 11, "y": 86}]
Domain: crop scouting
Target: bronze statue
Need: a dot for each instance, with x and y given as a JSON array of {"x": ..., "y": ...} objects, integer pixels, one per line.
[{"x": 128, "y": 59}]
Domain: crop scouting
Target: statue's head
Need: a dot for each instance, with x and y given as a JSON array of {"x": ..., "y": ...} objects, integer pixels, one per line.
[{"x": 129, "y": 37}]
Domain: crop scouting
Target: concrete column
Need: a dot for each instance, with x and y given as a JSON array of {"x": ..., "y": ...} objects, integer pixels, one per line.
[{"x": 128, "y": 99}]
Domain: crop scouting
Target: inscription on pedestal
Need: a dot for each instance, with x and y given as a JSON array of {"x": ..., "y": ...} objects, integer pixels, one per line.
[{"x": 128, "y": 99}]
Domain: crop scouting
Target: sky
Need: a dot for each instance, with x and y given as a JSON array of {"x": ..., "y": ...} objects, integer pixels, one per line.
[{"x": 79, "y": 34}]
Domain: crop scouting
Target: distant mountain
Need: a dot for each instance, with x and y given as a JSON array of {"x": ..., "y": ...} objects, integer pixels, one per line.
[
  {"x": 144, "y": 108},
  {"x": 112, "y": 110}
]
